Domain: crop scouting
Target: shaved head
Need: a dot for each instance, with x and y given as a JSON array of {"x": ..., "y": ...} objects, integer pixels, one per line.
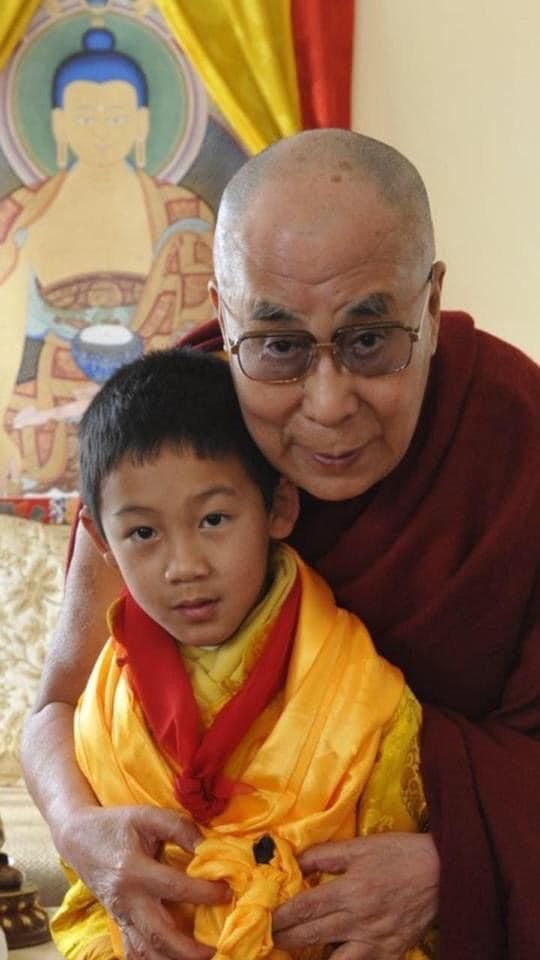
[
  {"x": 324, "y": 171},
  {"x": 325, "y": 231}
]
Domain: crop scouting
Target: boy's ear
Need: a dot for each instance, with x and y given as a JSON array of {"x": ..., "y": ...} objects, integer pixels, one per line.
[
  {"x": 86, "y": 519},
  {"x": 285, "y": 509}
]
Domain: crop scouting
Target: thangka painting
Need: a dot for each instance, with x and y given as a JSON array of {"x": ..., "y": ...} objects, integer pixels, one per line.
[{"x": 112, "y": 162}]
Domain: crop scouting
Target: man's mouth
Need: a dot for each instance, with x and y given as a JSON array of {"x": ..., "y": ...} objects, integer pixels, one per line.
[{"x": 342, "y": 459}]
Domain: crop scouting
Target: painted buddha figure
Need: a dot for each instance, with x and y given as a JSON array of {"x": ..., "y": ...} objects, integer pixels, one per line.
[{"x": 100, "y": 251}]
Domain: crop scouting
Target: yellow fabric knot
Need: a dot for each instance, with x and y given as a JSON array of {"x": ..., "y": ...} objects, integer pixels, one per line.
[{"x": 242, "y": 929}]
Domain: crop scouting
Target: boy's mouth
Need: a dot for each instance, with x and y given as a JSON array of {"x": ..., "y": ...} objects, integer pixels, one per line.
[{"x": 198, "y": 609}]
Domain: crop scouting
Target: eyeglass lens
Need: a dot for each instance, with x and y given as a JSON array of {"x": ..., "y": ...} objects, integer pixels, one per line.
[{"x": 369, "y": 352}]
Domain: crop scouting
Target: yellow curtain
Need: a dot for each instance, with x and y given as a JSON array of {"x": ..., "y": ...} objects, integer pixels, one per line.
[
  {"x": 15, "y": 15},
  {"x": 243, "y": 52}
]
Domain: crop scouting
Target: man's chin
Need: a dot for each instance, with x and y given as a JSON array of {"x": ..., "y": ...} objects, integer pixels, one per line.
[{"x": 335, "y": 489}]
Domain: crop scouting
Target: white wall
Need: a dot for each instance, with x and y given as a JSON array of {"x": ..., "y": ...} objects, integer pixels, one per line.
[{"x": 455, "y": 85}]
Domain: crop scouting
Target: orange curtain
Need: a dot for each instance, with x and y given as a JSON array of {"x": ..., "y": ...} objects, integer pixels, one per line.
[
  {"x": 243, "y": 52},
  {"x": 15, "y": 15}
]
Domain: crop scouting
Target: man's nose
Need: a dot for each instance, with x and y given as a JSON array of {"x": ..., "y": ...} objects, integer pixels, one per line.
[
  {"x": 185, "y": 561},
  {"x": 330, "y": 391}
]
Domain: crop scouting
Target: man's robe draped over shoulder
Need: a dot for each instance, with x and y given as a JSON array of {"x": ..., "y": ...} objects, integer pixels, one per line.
[{"x": 441, "y": 562}]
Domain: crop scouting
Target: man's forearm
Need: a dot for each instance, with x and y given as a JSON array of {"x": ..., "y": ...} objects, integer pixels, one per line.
[{"x": 54, "y": 780}]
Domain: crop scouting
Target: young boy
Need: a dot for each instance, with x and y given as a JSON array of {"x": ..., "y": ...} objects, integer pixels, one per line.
[{"x": 232, "y": 688}]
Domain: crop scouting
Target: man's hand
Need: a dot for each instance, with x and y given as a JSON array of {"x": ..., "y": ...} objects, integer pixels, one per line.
[
  {"x": 383, "y": 898},
  {"x": 113, "y": 849}
]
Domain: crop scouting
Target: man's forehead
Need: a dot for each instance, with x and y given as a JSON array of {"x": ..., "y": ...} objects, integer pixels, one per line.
[
  {"x": 281, "y": 273},
  {"x": 275, "y": 236},
  {"x": 303, "y": 202},
  {"x": 290, "y": 249}
]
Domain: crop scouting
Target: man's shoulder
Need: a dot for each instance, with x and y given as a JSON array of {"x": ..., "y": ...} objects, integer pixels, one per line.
[
  {"x": 488, "y": 392},
  {"x": 206, "y": 337},
  {"x": 460, "y": 324},
  {"x": 495, "y": 365}
]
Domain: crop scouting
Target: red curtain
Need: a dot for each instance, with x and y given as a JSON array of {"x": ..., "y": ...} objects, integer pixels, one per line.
[{"x": 323, "y": 45}]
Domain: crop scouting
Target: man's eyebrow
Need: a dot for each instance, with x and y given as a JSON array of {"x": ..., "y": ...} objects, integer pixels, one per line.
[
  {"x": 374, "y": 305},
  {"x": 265, "y": 310}
]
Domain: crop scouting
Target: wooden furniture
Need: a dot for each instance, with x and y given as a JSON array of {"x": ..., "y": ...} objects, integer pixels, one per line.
[{"x": 24, "y": 921}]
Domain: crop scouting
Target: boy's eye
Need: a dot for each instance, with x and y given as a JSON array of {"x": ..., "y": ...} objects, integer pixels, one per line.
[
  {"x": 142, "y": 533},
  {"x": 213, "y": 519}
]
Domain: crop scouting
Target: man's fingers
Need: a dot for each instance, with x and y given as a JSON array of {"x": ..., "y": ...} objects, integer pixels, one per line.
[
  {"x": 168, "y": 883},
  {"x": 354, "y": 950},
  {"x": 154, "y": 944},
  {"x": 311, "y": 933},
  {"x": 135, "y": 948},
  {"x": 141, "y": 909},
  {"x": 328, "y": 857},
  {"x": 168, "y": 826},
  {"x": 306, "y": 908}
]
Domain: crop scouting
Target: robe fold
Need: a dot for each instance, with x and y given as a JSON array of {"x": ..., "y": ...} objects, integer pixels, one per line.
[
  {"x": 334, "y": 754},
  {"x": 441, "y": 561}
]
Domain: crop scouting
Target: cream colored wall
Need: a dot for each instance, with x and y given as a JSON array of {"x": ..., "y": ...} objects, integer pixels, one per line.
[{"x": 454, "y": 84}]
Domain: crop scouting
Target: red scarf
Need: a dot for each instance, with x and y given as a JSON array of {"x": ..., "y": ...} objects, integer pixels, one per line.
[{"x": 161, "y": 683}]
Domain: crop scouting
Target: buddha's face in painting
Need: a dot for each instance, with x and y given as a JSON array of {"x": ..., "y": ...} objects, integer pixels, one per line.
[{"x": 100, "y": 122}]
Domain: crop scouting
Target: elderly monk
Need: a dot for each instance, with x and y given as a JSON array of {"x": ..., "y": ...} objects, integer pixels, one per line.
[{"x": 415, "y": 441}]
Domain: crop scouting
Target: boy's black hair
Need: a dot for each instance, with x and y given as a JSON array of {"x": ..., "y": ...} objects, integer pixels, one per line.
[{"x": 176, "y": 397}]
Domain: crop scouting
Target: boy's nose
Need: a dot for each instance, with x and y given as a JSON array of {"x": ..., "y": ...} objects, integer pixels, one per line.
[{"x": 185, "y": 563}]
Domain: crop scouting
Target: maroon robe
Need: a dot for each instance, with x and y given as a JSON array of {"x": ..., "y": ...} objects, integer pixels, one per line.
[{"x": 441, "y": 562}]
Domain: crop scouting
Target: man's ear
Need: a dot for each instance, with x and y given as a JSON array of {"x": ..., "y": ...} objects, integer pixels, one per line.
[
  {"x": 86, "y": 519},
  {"x": 285, "y": 509},
  {"x": 439, "y": 270},
  {"x": 213, "y": 293}
]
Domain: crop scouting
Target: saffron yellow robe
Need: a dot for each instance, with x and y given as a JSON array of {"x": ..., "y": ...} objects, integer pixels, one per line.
[{"x": 334, "y": 755}]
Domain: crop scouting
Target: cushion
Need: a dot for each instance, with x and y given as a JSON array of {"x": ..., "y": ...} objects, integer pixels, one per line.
[{"x": 31, "y": 585}]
